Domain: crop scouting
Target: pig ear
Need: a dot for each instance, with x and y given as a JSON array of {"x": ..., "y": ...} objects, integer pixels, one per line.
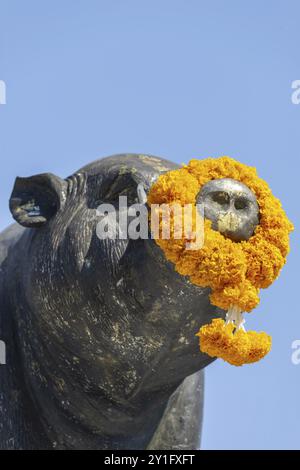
[{"x": 35, "y": 200}]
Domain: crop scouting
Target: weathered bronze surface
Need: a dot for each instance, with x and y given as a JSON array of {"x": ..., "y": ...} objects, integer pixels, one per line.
[{"x": 99, "y": 333}]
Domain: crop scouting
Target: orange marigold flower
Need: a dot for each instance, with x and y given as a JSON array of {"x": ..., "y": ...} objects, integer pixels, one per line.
[
  {"x": 235, "y": 346},
  {"x": 234, "y": 271}
]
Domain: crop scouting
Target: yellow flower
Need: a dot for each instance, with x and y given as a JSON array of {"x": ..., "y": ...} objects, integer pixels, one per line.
[
  {"x": 234, "y": 271},
  {"x": 235, "y": 346}
]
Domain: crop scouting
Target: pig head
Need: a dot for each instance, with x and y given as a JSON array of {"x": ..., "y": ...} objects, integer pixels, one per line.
[{"x": 103, "y": 346}]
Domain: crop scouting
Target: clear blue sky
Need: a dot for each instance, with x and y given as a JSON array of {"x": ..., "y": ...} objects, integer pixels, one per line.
[{"x": 178, "y": 79}]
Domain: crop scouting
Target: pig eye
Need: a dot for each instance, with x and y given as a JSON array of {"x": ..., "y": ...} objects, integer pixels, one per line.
[
  {"x": 241, "y": 203},
  {"x": 220, "y": 197}
]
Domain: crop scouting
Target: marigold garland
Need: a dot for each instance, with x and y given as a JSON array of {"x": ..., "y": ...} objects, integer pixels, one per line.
[
  {"x": 237, "y": 347},
  {"x": 234, "y": 271}
]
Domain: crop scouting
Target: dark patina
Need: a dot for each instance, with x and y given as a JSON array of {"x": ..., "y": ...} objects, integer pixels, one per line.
[{"x": 100, "y": 334}]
